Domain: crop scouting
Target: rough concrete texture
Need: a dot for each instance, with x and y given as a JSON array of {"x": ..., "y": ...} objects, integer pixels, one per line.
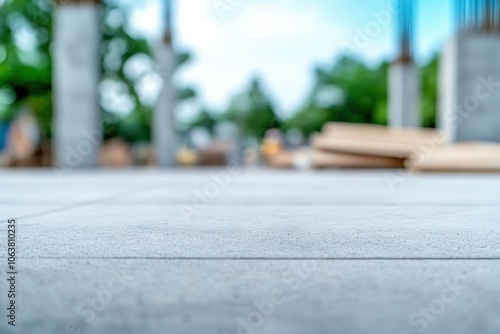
[{"x": 268, "y": 252}]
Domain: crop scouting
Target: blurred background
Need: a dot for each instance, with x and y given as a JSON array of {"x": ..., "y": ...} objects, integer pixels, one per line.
[{"x": 203, "y": 82}]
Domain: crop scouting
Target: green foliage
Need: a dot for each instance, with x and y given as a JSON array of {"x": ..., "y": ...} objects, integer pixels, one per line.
[
  {"x": 117, "y": 49},
  {"x": 350, "y": 91},
  {"x": 135, "y": 127},
  {"x": 429, "y": 77},
  {"x": 26, "y": 73},
  {"x": 253, "y": 111},
  {"x": 347, "y": 91},
  {"x": 205, "y": 119},
  {"x": 25, "y": 67}
]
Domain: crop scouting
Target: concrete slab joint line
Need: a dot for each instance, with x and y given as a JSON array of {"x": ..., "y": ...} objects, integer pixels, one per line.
[{"x": 354, "y": 257}]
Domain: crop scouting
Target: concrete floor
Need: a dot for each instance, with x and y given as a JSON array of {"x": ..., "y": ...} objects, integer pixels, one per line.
[{"x": 254, "y": 251}]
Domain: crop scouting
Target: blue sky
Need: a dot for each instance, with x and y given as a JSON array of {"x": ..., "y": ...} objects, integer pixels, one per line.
[{"x": 282, "y": 40}]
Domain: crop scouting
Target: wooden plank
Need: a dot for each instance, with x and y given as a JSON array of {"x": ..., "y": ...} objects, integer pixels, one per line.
[
  {"x": 462, "y": 157},
  {"x": 377, "y": 132},
  {"x": 362, "y": 146},
  {"x": 374, "y": 140},
  {"x": 325, "y": 159}
]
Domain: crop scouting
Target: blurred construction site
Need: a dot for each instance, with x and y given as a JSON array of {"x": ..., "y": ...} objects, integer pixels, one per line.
[{"x": 89, "y": 83}]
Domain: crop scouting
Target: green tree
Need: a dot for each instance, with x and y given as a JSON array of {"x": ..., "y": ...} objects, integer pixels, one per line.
[
  {"x": 119, "y": 48},
  {"x": 205, "y": 119},
  {"x": 25, "y": 65},
  {"x": 26, "y": 68},
  {"x": 349, "y": 91},
  {"x": 253, "y": 111},
  {"x": 429, "y": 78}
]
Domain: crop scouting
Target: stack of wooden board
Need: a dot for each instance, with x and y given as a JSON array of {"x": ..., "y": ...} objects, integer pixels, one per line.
[
  {"x": 461, "y": 157},
  {"x": 346, "y": 145},
  {"x": 373, "y": 140}
]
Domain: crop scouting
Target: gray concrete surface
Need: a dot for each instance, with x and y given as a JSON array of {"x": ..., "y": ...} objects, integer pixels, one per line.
[{"x": 265, "y": 252}]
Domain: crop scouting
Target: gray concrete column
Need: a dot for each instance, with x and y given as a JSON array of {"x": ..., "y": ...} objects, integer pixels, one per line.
[
  {"x": 77, "y": 128},
  {"x": 404, "y": 95},
  {"x": 469, "y": 89},
  {"x": 164, "y": 129}
]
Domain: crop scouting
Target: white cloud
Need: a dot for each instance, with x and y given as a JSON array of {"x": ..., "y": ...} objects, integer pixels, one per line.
[
  {"x": 277, "y": 40},
  {"x": 280, "y": 40}
]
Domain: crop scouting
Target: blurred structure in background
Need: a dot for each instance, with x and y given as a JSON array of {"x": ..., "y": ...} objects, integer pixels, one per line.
[
  {"x": 115, "y": 102},
  {"x": 164, "y": 132},
  {"x": 77, "y": 118},
  {"x": 404, "y": 76},
  {"x": 470, "y": 74}
]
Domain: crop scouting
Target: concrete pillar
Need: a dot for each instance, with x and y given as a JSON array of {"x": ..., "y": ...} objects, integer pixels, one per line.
[
  {"x": 469, "y": 89},
  {"x": 77, "y": 128},
  {"x": 164, "y": 130},
  {"x": 404, "y": 95}
]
